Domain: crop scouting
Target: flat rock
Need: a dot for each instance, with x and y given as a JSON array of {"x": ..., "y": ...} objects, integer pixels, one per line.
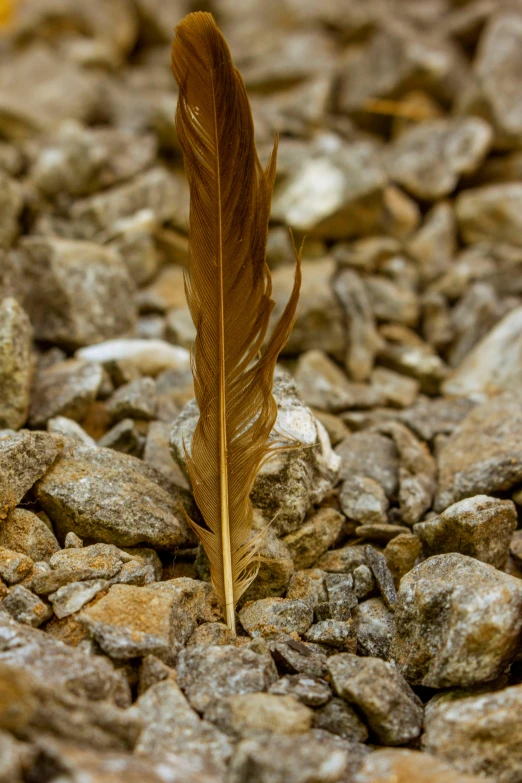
[
  {"x": 312, "y": 691},
  {"x": 16, "y": 364},
  {"x": 70, "y": 429},
  {"x": 248, "y": 714},
  {"x": 490, "y": 213},
  {"x": 131, "y": 622},
  {"x": 24, "y": 532},
  {"x": 64, "y": 389},
  {"x": 363, "y": 500},
  {"x": 88, "y": 294},
  {"x": 482, "y": 456},
  {"x": 380, "y": 692},
  {"x": 289, "y": 482},
  {"x": 209, "y": 673},
  {"x": 136, "y": 400},
  {"x": 323, "y": 385},
  {"x": 481, "y": 527},
  {"x": 403, "y": 766},
  {"x": 493, "y": 365},
  {"x": 372, "y": 455},
  {"x": 457, "y": 622},
  {"x": 430, "y": 417},
  {"x": 337, "y": 634},
  {"x": 429, "y": 158},
  {"x": 451, "y": 733},
  {"x": 270, "y": 617},
  {"x": 112, "y": 497},
  {"x": 314, "y": 537},
  {"x": 24, "y": 458},
  {"x": 72, "y": 597},
  {"x": 145, "y": 357}
]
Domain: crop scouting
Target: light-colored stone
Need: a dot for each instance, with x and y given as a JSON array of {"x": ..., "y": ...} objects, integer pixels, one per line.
[
  {"x": 16, "y": 364},
  {"x": 406, "y": 766}
]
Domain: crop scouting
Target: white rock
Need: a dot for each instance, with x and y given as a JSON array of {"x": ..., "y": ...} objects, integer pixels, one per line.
[{"x": 149, "y": 357}]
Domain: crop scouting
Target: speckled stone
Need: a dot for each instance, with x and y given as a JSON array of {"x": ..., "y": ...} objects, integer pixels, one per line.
[{"x": 270, "y": 617}]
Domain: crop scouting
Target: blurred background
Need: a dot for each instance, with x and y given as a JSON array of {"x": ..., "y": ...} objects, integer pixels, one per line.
[{"x": 400, "y": 128}]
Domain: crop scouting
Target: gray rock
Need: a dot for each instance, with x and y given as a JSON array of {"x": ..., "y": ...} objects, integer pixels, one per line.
[
  {"x": 382, "y": 574},
  {"x": 395, "y": 389},
  {"x": 72, "y": 597},
  {"x": 429, "y": 158},
  {"x": 79, "y": 161},
  {"x": 337, "y": 191},
  {"x": 481, "y": 527},
  {"x": 372, "y": 455},
  {"x": 115, "y": 498},
  {"x": 373, "y": 623},
  {"x": 14, "y": 566},
  {"x": 416, "y": 360},
  {"x": 363, "y": 339},
  {"x": 290, "y": 482},
  {"x": 64, "y": 389},
  {"x": 493, "y": 366},
  {"x": 61, "y": 425},
  {"x": 270, "y": 617},
  {"x": 339, "y": 718},
  {"x": 314, "y": 537},
  {"x": 132, "y": 622},
  {"x": 72, "y": 541},
  {"x": 389, "y": 705},
  {"x": 24, "y": 532},
  {"x": 477, "y": 312},
  {"x": 209, "y": 673},
  {"x": 275, "y": 569},
  {"x": 363, "y": 500},
  {"x": 298, "y": 658},
  {"x": 300, "y": 759},
  {"x": 343, "y": 561},
  {"x": 156, "y": 189},
  {"x": 58, "y": 665},
  {"x": 309, "y": 585},
  {"x": 363, "y": 581},
  {"x": 123, "y": 437},
  {"x": 430, "y": 417},
  {"x": 136, "y": 400},
  {"x": 435, "y": 243},
  {"x": 24, "y": 458},
  {"x": 134, "y": 240},
  {"x": 482, "y": 456},
  {"x": 312, "y": 691},
  {"x": 171, "y": 726},
  {"x": 102, "y": 561},
  {"x": 339, "y": 634},
  {"x": 400, "y": 766},
  {"x": 323, "y": 385},
  {"x": 249, "y": 714},
  {"x": 137, "y": 357},
  {"x": 391, "y": 301},
  {"x": 157, "y": 454},
  {"x": 451, "y": 733},
  {"x": 490, "y": 212},
  {"x": 87, "y": 295},
  {"x": 25, "y": 607},
  {"x": 457, "y": 622},
  {"x": 16, "y": 364}
]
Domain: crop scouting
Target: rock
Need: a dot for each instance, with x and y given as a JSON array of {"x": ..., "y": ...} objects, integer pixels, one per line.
[
  {"x": 134, "y": 240},
  {"x": 16, "y": 364},
  {"x": 145, "y": 357},
  {"x": 61, "y": 425},
  {"x": 363, "y": 500},
  {"x": 417, "y": 472},
  {"x": 383, "y": 577},
  {"x": 88, "y": 295},
  {"x": 401, "y": 554},
  {"x": 451, "y": 733},
  {"x": 171, "y": 726},
  {"x": 298, "y": 658},
  {"x": 206, "y": 674},
  {"x": 434, "y": 244},
  {"x": 314, "y": 537},
  {"x": 337, "y": 191},
  {"x": 157, "y": 454},
  {"x": 415, "y": 359},
  {"x": 481, "y": 527},
  {"x": 320, "y": 321},
  {"x": 477, "y": 312},
  {"x": 14, "y": 566},
  {"x": 78, "y": 161},
  {"x": 309, "y": 585},
  {"x": 65, "y": 389},
  {"x": 300, "y": 759},
  {"x": 395, "y": 389},
  {"x": 403, "y": 766},
  {"x": 211, "y": 633},
  {"x": 132, "y": 622},
  {"x": 290, "y": 482},
  {"x": 490, "y": 213},
  {"x": 25, "y": 607},
  {"x": 136, "y": 400},
  {"x": 339, "y": 634},
  {"x": 343, "y": 561},
  {"x": 70, "y": 598},
  {"x": 323, "y": 385},
  {"x": 165, "y": 292},
  {"x": 24, "y": 532},
  {"x": 11, "y": 204},
  {"x": 492, "y": 366},
  {"x": 275, "y": 569},
  {"x": 58, "y": 665},
  {"x": 312, "y": 691},
  {"x": 392, "y": 302},
  {"x": 389, "y": 705},
  {"x": 270, "y": 617},
  {"x": 482, "y": 455},
  {"x": 363, "y": 339},
  {"x": 123, "y": 437},
  {"x": 439, "y": 416},
  {"x": 373, "y": 624},
  {"x": 114, "y": 498},
  {"x": 380, "y": 532},
  {"x": 457, "y": 622},
  {"x": 156, "y": 189},
  {"x": 363, "y": 581},
  {"x": 372, "y": 455},
  {"x": 12, "y": 757},
  {"x": 248, "y": 714},
  {"x": 339, "y": 718},
  {"x": 428, "y": 159}
]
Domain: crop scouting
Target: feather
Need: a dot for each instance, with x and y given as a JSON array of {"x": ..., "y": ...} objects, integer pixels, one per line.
[{"x": 229, "y": 295}]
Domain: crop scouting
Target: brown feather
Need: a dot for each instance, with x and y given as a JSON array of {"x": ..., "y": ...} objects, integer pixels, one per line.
[{"x": 229, "y": 295}]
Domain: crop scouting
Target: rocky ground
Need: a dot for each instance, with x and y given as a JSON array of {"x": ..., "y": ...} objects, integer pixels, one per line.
[{"x": 381, "y": 641}]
